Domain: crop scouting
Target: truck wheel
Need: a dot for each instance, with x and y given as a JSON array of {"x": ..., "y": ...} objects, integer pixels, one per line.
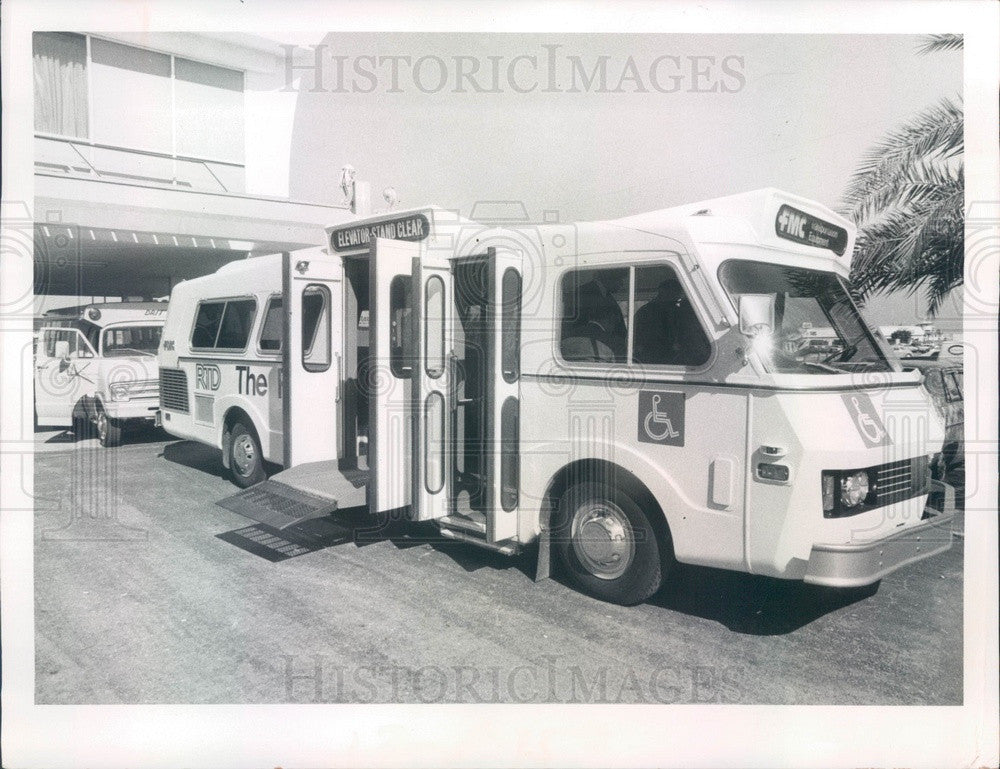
[
  {"x": 246, "y": 463},
  {"x": 606, "y": 545},
  {"x": 82, "y": 428},
  {"x": 109, "y": 431}
]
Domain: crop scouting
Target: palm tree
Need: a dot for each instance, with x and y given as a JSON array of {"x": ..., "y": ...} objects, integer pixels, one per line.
[{"x": 907, "y": 198}]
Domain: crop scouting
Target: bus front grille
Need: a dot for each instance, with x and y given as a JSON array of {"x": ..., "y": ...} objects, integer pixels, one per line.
[{"x": 174, "y": 390}]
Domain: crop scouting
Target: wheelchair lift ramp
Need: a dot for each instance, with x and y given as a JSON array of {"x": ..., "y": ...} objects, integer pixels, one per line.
[{"x": 310, "y": 490}]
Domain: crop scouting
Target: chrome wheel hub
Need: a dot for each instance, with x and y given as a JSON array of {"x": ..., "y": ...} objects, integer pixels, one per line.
[
  {"x": 102, "y": 425},
  {"x": 602, "y": 539},
  {"x": 244, "y": 454}
]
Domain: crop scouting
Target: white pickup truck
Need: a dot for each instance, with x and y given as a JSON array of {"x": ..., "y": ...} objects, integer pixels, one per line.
[{"x": 99, "y": 369}]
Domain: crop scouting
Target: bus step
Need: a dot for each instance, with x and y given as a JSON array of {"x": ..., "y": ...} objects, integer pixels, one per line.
[
  {"x": 466, "y": 523},
  {"x": 498, "y": 547},
  {"x": 277, "y": 505}
]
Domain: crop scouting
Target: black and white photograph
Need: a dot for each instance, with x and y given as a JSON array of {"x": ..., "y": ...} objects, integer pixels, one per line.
[{"x": 554, "y": 384}]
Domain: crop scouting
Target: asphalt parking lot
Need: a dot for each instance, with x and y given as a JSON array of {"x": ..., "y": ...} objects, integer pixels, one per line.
[{"x": 148, "y": 592}]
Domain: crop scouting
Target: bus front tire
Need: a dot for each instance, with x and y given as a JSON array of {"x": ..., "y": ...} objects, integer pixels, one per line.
[
  {"x": 246, "y": 463},
  {"x": 606, "y": 544},
  {"x": 109, "y": 431}
]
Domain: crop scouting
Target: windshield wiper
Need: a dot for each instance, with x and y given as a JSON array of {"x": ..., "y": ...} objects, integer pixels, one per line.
[
  {"x": 824, "y": 366},
  {"x": 842, "y": 356}
]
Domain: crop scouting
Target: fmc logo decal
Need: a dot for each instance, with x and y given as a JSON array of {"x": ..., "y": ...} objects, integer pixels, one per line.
[
  {"x": 866, "y": 419},
  {"x": 661, "y": 418},
  {"x": 207, "y": 376}
]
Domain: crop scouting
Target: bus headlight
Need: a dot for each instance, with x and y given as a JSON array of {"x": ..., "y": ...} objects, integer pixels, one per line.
[
  {"x": 119, "y": 391},
  {"x": 853, "y": 488}
]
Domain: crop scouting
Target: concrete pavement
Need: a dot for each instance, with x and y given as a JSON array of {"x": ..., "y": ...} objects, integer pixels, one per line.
[{"x": 148, "y": 592}]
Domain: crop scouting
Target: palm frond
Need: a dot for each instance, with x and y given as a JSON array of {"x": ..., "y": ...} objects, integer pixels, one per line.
[
  {"x": 907, "y": 250},
  {"x": 938, "y": 131},
  {"x": 934, "y": 43}
]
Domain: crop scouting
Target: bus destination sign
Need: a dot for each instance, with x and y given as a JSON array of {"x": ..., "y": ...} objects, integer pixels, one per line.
[
  {"x": 792, "y": 224},
  {"x": 410, "y": 227}
]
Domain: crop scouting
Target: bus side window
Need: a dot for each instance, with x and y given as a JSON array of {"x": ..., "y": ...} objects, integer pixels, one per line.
[
  {"x": 667, "y": 331},
  {"x": 316, "y": 346},
  {"x": 234, "y": 331},
  {"x": 593, "y": 324},
  {"x": 270, "y": 330},
  {"x": 206, "y": 324}
]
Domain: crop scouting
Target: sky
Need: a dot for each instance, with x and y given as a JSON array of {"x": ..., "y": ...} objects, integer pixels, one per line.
[{"x": 677, "y": 118}]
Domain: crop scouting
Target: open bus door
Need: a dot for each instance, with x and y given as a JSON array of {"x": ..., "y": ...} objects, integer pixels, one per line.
[
  {"x": 504, "y": 418},
  {"x": 466, "y": 395},
  {"x": 312, "y": 485},
  {"x": 312, "y": 297},
  {"x": 391, "y": 367},
  {"x": 433, "y": 316}
]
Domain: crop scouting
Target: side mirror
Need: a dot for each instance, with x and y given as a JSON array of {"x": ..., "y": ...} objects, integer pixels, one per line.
[
  {"x": 756, "y": 314},
  {"x": 62, "y": 349}
]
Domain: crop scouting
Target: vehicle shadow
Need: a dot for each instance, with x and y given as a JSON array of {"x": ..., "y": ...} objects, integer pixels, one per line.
[
  {"x": 752, "y": 604},
  {"x": 129, "y": 438},
  {"x": 64, "y": 436},
  {"x": 197, "y": 456}
]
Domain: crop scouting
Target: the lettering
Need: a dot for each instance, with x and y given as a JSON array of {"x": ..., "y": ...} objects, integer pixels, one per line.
[{"x": 249, "y": 383}]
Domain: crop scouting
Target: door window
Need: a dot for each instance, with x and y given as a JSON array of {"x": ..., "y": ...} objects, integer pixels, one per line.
[
  {"x": 401, "y": 327},
  {"x": 316, "y": 346},
  {"x": 510, "y": 325},
  {"x": 434, "y": 326}
]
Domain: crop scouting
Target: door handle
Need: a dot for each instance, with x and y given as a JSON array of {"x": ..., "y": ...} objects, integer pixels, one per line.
[
  {"x": 336, "y": 399},
  {"x": 451, "y": 380}
]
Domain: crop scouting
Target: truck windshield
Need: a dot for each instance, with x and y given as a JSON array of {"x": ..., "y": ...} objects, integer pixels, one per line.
[
  {"x": 120, "y": 341},
  {"x": 817, "y": 327}
]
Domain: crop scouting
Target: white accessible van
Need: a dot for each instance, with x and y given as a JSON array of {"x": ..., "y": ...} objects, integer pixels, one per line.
[
  {"x": 620, "y": 393},
  {"x": 99, "y": 368}
]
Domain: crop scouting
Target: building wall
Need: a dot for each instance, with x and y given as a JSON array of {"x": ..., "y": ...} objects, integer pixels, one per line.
[{"x": 194, "y": 111}]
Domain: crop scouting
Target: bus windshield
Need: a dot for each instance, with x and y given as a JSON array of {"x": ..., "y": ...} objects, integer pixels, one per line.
[
  {"x": 120, "y": 341},
  {"x": 817, "y": 327}
]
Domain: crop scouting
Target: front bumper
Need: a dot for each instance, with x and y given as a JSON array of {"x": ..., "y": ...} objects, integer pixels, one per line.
[
  {"x": 137, "y": 408},
  {"x": 861, "y": 563}
]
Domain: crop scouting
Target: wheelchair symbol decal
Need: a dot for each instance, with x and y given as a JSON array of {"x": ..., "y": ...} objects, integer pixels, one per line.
[
  {"x": 661, "y": 418},
  {"x": 866, "y": 420}
]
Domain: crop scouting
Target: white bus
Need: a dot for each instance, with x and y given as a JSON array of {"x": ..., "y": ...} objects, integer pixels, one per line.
[
  {"x": 97, "y": 368},
  {"x": 617, "y": 393}
]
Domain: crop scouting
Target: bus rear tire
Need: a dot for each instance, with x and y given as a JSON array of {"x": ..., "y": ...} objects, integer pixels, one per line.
[
  {"x": 606, "y": 544},
  {"x": 246, "y": 463}
]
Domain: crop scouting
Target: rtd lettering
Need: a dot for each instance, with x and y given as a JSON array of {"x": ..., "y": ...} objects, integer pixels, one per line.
[
  {"x": 207, "y": 377},
  {"x": 251, "y": 384}
]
